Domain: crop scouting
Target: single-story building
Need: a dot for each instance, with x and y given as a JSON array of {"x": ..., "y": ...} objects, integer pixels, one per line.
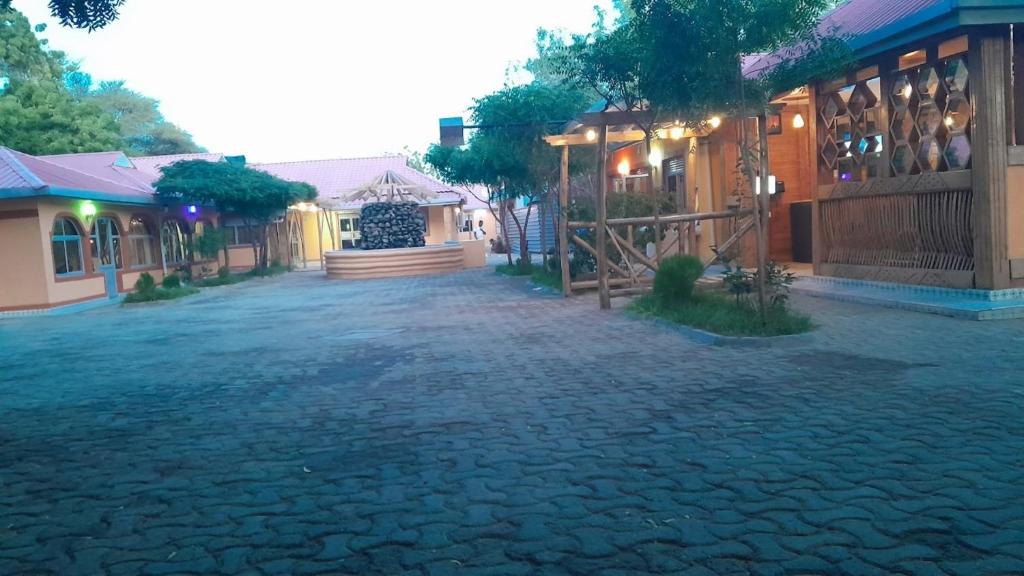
[
  {"x": 907, "y": 169},
  {"x": 76, "y": 228}
]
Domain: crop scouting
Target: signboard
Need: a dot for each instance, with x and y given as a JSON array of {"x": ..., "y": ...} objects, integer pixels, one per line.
[{"x": 452, "y": 134}]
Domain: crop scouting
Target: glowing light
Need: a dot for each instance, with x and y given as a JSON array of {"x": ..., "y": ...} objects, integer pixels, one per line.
[
  {"x": 87, "y": 209},
  {"x": 715, "y": 122},
  {"x": 654, "y": 158},
  {"x": 591, "y": 135},
  {"x": 798, "y": 121},
  {"x": 301, "y": 206},
  {"x": 192, "y": 209},
  {"x": 771, "y": 185},
  {"x": 908, "y": 91},
  {"x": 676, "y": 132},
  {"x": 624, "y": 168},
  {"x": 949, "y": 120}
]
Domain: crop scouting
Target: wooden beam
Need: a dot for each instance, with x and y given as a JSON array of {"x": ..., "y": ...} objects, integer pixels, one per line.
[
  {"x": 628, "y": 247},
  {"x": 637, "y": 291},
  {"x": 670, "y": 218},
  {"x": 616, "y": 118},
  {"x": 989, "y": 70},
  {"x": 591, "y": 284},
  {"x": 581, "y": 139},
  {"x": 563, "y": 222},
  {"x": 590, "y": 250},
  {"x": 725, "y": 246},
  {"x": 602, "y": 218}
]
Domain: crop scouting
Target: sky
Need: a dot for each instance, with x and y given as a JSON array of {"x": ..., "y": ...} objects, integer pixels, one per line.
[{"x": 313, "y": 79}]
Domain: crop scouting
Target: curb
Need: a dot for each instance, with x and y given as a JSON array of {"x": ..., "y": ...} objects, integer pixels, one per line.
[{"x": 712, "y": 339}]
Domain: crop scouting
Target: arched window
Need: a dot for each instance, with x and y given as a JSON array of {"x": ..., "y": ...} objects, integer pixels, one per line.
[
  {"x": 67, "y": 248},
  {"x": 174, "y": 242},
  {"x": 140, "y": 238},
  {"x": 105, "y": 244}
]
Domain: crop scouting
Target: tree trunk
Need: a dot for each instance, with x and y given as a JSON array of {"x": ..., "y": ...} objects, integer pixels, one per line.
[
  {"x": 751, "y": 176},
  {"x": 224, "y": 240}
]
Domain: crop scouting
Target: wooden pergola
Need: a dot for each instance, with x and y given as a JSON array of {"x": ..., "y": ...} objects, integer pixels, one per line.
[{"x": 632, "y": 272}]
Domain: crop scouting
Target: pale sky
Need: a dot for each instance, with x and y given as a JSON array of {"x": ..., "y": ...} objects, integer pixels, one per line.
[{"x": 313, "y": 79}]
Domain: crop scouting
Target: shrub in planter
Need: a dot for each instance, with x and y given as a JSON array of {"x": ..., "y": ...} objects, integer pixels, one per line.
[
  {"x": 145, "y": 284},
  {"x": 391, "y": 225},
  {"x": 171, "y": 281},
  {"x": 673, "y": 283}
]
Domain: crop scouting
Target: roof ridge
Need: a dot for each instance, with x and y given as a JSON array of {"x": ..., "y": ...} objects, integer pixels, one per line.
[
  {"x": 176, "y": 155},
  {"x": 378, "y": 157},
  {"x": 148, "y": 190},
  {"x": 81, "y": 154},
  {"x": 22, "y": 170}
]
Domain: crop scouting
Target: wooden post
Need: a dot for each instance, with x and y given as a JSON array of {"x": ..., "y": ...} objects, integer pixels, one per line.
[
  {"x": 602, "y": 219},
  {"x": 320, "y": 238},
  {"x": 563, "y": 222},
  {"x": 988, "y": 59},
  {"x": 542, "y": 214}
]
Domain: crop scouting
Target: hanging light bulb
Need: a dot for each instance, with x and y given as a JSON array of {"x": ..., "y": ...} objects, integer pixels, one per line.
[
  {"x": 591, "y": 135},
  {"x": 654, "y": 158},
  {"x": 715, "y": 122},
  {"x": 798, "y": 121},
  {"x": 624, "y": 168},
  {"x": 676, "y": 132},
  {"x": 908, "y": 91}
]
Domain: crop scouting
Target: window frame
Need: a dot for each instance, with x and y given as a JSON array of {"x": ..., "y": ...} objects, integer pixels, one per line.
[
  {"x": 64, "y": 239},
  {"x": 147, "y": 238}
]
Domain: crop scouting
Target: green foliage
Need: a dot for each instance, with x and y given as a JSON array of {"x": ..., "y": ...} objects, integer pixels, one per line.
[
  {"x": 675, "y": 279},
  {"x": 144, "y": 130},
  {"x": 209, "y": 244},
  {"x": 718, "y": 313},
  {"x": 223, "y": 272},
  {"x": 274, "y": 269},
  {"x": 160, "y": 294},
  {"x": 548, "y": 278},
  {"x": 86, "y": 14},
  {"x": 517, "y": 269},
  {"x": 145, "y": 284},
  {"x": 511, "y": 158},
  {"x": 740, "y": 283},
  {"x": 171, "y": 281},
  {"x": 224, "y": 277}
]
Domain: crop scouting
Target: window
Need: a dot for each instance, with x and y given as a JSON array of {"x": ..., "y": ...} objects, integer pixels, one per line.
[
  {"x": 140, "y": 240},
  {"x": 237, "y": 232},
  {"x": 174, "y": 242},
  {"x": 105, "y": 244},
  {"x": 67, "y": 248}
]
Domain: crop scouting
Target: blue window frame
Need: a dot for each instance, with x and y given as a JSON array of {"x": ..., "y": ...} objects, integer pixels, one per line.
[{"x": 67, "y": 248}]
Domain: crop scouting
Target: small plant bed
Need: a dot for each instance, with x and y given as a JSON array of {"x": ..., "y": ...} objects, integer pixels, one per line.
[
  {"x": 146, "y": 289},
  {"x": 514, "y": 270},
  {"x": 727, "y": 313},
  {"x": 721, "y": 314},
  {"x": 548, "y": 278}
]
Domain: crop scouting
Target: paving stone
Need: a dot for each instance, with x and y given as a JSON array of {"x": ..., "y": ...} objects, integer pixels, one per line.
[{"x": 299, "y": 426}]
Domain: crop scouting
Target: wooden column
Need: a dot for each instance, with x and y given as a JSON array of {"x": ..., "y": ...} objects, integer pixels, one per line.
[
  {"x": 812, "y": 158},
  {"x": 563, "y": 222},
  {"x": 989, "y": 63},
  {"x": 602, "y": 219}
]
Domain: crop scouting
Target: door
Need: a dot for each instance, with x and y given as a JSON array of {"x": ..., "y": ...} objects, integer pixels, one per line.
[
  {"x": 105, "y": 243},
  {"x": 348, "y": 228}
]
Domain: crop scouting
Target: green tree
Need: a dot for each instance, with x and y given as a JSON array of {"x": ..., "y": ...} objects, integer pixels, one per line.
[
  {"x": 256, "y": 197},
  {"x": 87, "y": 14},
  {"x": 510, "y": 157},
  {"x": 143, "y": 128}
]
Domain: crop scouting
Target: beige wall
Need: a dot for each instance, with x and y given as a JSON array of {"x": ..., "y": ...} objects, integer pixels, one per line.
[
  {"x": 1015, "y": 211},
  {"x": 22, "y": 275},
  {"x": 440, "y": 224}
]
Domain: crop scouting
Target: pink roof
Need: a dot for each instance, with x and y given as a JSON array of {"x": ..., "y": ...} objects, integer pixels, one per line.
[
  {"x": 332, "y": 178},
  {"x": 113, "y": 166},
  {"x": 153, "y": 164},
  {"x": 58, "y": 174},
  {"x": 854, "y": 20}
]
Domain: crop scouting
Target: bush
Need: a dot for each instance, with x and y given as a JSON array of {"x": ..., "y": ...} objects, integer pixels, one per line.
[
  {"x": 673, "y": 283},
  {"x": 171, "y": 281},
  {"x": 718, "y": 313},
  {"x": 160, "y": 294},
  {"x": 145, "y": 284},
  {"x": 223, "y": 273}
]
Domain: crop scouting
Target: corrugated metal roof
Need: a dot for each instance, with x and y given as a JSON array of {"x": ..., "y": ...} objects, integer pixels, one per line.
[
  {"x": 14, "y": 175},
  {"x": 861, "y": 22}
]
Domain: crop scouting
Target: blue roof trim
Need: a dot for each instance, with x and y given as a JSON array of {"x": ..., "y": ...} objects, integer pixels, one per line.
[
  {"x": 6, "y": 193},
  {"x": 22, "y": 170}
]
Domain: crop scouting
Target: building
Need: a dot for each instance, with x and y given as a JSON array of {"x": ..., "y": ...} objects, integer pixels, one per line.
[
  {"x": 909, "y": 169},
  {"x": 78, "y": 229},
  {"x": 333, "y": 223}
]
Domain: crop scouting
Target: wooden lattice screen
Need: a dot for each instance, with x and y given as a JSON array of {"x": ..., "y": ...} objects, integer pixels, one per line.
[{"x": 929, "y": 231}]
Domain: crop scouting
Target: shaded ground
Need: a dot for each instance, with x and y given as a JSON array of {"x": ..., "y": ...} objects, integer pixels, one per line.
[{"x": 470, "y": 425}]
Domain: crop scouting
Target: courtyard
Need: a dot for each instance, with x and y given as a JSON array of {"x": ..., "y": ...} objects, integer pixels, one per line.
[{"x": 469, "y": 424}]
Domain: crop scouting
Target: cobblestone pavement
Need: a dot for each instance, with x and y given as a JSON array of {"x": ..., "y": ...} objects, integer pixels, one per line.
[{"x": 470, "y": 425}]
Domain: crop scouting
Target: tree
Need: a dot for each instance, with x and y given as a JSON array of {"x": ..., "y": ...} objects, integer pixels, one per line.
[
  {"x": 39, "y": 118},
  {"x": 510, "y": 158},
  {"x": 257, "y": 197},
  {"x": 144, "y": 130},
  {"x": 87, "y": 14}
]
